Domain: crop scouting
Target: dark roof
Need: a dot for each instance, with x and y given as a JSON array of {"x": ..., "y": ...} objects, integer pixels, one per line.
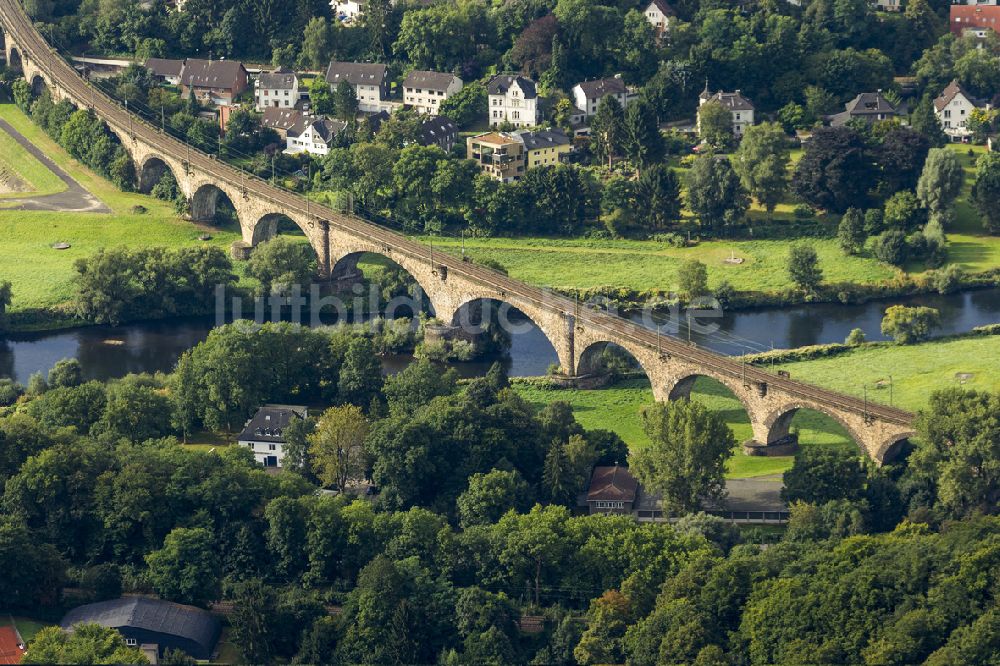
[
  {"x": 356, "y": 73},
  {"x": 212, "y": 73},
  {"x": 870, "y": 104},
  {"x": 542, "y": 139},
  {"x": 326, "y": 129},
  {"x": 501, "y": 83},
  {"x": 281, "y": 119},
  {"x": 164, "y": 68},
  {"x": 662, "y": 5},
  {"x": 435, "y": 128},
  {"x": 269, "y": 423},
  {"x": 734, "y": 101},
  {"x": 279, "y": 79},
  {"x": 612, "y": 483},
  {"x": 952, "y": 90},
  {"x": 163, "y": 617},
  {"x": 601, "y": 87},
  {"x": 429, "y": 80}
]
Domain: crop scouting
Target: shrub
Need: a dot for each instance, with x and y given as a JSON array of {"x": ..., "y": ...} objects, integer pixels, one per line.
[
  {"x": 803, "y": 212},
  {"x": 855, "y": 337},
  {"x": 907, "y": 325},
  {"x": 10, "y": 391},
  {"x": 890, "y": 247},
  {"x": 947, "y": 280}
]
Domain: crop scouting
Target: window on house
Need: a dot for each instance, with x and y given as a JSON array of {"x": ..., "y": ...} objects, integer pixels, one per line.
[{"x": 131, "y": 642}]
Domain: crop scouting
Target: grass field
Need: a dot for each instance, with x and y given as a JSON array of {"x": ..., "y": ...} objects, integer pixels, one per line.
[
  {"x": 916, "y": 370},
  {"x": 617, "y": 409},
  {"x": 643, "y": 265},
  {"x": 28, "y": 627},
  {"x": 42, "y": 277},
  {"x": 18, "y": 161}
]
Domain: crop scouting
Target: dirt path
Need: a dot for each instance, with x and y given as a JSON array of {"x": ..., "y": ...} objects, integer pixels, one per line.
[{"x": 74, "y": 200}]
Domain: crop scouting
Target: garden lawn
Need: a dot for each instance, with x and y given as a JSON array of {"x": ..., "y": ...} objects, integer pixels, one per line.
[
  {"x": 616, "y": 408},
  {"x": 18, "y": 161},
  {"x": 28, "y": 627},
  {"x": 916, "y": 370},
  {"x": 646, "y": 265},
  {"x": 42, "y": 277}
]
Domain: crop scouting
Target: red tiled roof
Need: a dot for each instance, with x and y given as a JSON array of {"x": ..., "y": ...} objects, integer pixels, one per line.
[
  {"x": 10, "y": 653},
  {"x": 964, "y": 17}
]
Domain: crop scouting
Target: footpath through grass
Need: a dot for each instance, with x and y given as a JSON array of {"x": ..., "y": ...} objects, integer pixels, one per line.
[
  {"x": 38, "y": 180},
  {"x": 42, "y": 277},
  {"x": 616, "y": 408}
]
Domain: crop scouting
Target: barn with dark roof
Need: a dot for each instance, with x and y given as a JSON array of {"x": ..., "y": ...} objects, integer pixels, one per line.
[{"x": 144, "y": 621}]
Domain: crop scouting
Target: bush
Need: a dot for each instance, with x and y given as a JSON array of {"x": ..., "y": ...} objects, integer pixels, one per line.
[
  {"x": 803, "y": 212},
  {"x": 855, "y": 337},
  {"x": 907, "y": 325},
  {"x": 948, "y": 280},
  {"x": 890, "y": 247},
  {"x": 10, "y": 391}
]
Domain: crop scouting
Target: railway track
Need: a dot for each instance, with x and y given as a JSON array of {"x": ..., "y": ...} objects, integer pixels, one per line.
[{"x": 37, "y": 50}]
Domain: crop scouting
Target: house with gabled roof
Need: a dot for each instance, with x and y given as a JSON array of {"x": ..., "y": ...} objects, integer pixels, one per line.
[
  {"x": 424, "y": 90},
  {"x": 513, "y": 99},
  {"x": 587, "y": 95},
  {"x": 612, "y": 489},
  {"x": 277, "y": 89},
  {"x": 739, "y": 106},
  {"x": 370, "y": 82},
  {"x": 438, "y": 131},
  {"x": 870, "y": 107},
  {"x": 215, "y": 82},
  {"x": 264, "y": 434},
  {"x": 953, "y": 107},
  {"x": 165, "y": 69},
  {"x": 660, "y": 15}
]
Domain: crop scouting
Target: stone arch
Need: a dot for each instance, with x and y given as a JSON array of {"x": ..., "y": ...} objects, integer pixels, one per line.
[
  {"x": 683, "y": 387},
  {"x": 152, "y": 170},
  {"x": 38, "y": 85},
  {"x": 588, "y": 361},
  {"x": 345, "y": 273},
  {"x": 468, "y": 320},
  {"x": 778, "y": 423},
  {"x": 14, "y": 61},
  {"x": 205, "y": 201},
  {"x": 270, "y": 225},
  {"x": 891, "y": 448}
]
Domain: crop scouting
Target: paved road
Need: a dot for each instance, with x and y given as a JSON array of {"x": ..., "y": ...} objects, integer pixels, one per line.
[{"x": 74, "y": 199}]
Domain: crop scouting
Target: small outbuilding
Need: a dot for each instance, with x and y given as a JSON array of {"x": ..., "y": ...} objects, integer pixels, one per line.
[
  {"x": 153, "y": 622},
  {"x": 612, "y": 490}
]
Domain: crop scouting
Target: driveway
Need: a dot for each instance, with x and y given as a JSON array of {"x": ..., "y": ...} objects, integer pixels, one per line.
[{"x": 74, "y": 199}]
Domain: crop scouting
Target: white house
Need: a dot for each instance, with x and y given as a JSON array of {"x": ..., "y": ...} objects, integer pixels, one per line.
[
  {"x": 587, "y": 95},
  {"x": 277, "y": 89},
  {"x": 264, "y": 434},
  {"x": 512, "y": 99},
  {"x": 953, "y": 107},
  {"x": 741, "y": 108},
  {"x": 660, "y": 15},
  {"x": 312, "y": 135},
  {"x": 370, "y": 82},
  {"x": 424, "y": 91},
  {"x": 348, "y": 11}
]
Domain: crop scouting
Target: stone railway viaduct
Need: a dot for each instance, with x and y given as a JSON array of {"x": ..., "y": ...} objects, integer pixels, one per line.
[{"x": 577, "y": 334}]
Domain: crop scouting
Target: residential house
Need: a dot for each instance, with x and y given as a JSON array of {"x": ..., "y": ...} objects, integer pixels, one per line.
[
  {"x": 660, "y": 15},
  {"x": 277, "y": 89},
  {"x": 543, "y": 147},
  {"x": 264, "y": 434},
  {"x": 587, "y": 95},
  {"x": 424, "y": 91},
  {"x": 975, "y": 19},
  {"x": 612, "y": 490},
  {"x": 498, "y": 154},
  {"x": 888, "y": 5},
  {"x": 168, "y": 71},
  {"x": 215, "y": 82},
  {"x": 512, "y": 99},
  {"x": 741, "y": 108},
  {"x": 439, "y": 131},
  {"x": 869, "y": 107},
  {"x": 313, "y": 135},
  {"x": 152, "y": 625},
  {"x": 953, "y": 107},
  {"x": 281, "y": 120},
  {"x": 348, "y": 11},
  {"x": 369, "y": 80}
]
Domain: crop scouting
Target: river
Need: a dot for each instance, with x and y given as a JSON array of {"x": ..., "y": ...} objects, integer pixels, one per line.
[{"x": 106, "y": 352}]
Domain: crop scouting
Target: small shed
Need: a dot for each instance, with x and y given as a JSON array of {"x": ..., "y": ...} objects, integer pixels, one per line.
[{"x": 144, "y": 621}]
